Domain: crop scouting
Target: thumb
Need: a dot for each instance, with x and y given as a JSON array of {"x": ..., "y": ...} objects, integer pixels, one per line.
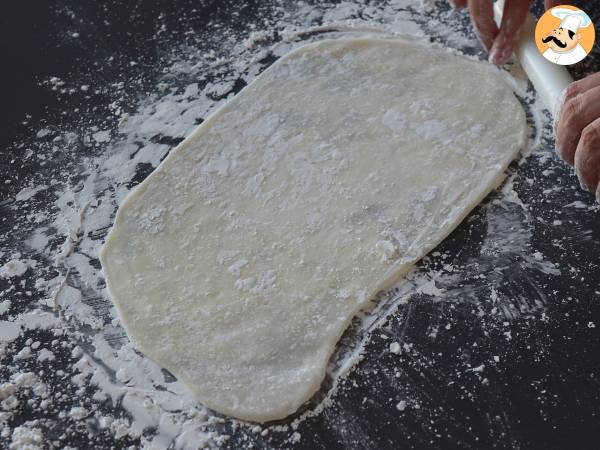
[{"x": 515, "y": 12}]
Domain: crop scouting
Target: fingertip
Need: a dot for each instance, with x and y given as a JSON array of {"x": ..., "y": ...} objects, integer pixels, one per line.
[
  {"x": 485, "y": 41},
  {"x": 497, "y": 57},
  {"x": 557, "y": 107},
  {"x": 458, "y": 4},
  {"x": 586, "y": 187},
  {"x": 564, "y": 154},
  {"x": 493, "y": 56},
  {"x": 500, "y": 53},
  {"x": 514, "y": 14}
]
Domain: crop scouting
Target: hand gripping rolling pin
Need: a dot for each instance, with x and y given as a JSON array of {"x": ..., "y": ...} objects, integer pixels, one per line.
[{"x": 549, "y": 79}]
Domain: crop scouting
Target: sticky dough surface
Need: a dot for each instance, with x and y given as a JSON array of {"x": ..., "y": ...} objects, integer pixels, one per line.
[{"x": 239, "y": 262}]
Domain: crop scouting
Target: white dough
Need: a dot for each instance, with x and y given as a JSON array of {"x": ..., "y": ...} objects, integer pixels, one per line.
[{"x": 239, "y": 263}]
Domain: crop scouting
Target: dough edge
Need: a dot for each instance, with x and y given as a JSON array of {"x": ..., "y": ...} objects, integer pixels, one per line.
[{"x": 392, "y": 276}]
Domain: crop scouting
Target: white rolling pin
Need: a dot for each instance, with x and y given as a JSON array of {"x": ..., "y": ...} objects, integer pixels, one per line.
[{"x": 548, "y": 79}]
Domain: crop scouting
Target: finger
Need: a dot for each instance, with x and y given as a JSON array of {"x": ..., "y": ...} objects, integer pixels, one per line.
[
  {"x": 587, "y": 157},
  {"x": 572, "y": 91},
  {"x": 583, "y": 85},
  {"x": 552, "y": 3},
  {"x": 458, "y": 4},
  {"x": 482, "y": 16},
  {"x": 515, "y": 12},
  {"x": 576, "y": 114}
]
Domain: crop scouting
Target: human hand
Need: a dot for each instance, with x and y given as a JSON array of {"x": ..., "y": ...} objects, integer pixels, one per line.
[
  {"x": 499, "y": 42},
  {"x": 577, "y": 131}
]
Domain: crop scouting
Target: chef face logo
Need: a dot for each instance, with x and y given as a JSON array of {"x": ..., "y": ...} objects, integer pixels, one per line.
[
  {"x": 561, "y": 40},
  {"x": 564, "y": 35}
]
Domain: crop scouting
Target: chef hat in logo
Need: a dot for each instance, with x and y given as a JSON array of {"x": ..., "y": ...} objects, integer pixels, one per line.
[{"x": 571, "y": 20}]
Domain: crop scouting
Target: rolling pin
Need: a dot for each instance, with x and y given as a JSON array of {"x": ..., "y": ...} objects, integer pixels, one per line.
[{"x": 548, "y": 79}]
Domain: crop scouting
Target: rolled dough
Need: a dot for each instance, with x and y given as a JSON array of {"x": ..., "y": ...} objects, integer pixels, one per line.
[{"x": 240, "y": 261}]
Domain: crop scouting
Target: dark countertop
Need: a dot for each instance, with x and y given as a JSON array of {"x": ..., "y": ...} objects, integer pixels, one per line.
[{"x": 508, "y": 357}]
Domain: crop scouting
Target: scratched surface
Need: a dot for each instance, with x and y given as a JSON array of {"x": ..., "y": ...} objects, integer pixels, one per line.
[{"x": 505, "y": 355}]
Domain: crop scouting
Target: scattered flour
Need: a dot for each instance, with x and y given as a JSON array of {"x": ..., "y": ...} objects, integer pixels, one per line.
[
  {"x": 395, "y": 348},
  {"x": 27, "y": 193},
  {"x": 13, "y": 268},
  {"x": 26, "y": 438}
]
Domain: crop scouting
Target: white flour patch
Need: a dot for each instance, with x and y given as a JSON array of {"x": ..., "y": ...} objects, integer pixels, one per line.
[
  {"x": 13, "y": 268},
  {"x": 27, "y": 193}
]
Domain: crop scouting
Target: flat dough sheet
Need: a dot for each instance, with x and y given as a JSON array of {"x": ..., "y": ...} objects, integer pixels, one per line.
[{"x": 240, "y": 261}]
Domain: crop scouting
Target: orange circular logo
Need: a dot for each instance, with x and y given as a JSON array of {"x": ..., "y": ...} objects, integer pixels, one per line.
[{"x": 565, "y": 35}]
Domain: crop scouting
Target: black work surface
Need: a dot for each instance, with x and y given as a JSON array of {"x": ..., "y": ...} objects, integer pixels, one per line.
[{"x": 538, "y": 387}]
